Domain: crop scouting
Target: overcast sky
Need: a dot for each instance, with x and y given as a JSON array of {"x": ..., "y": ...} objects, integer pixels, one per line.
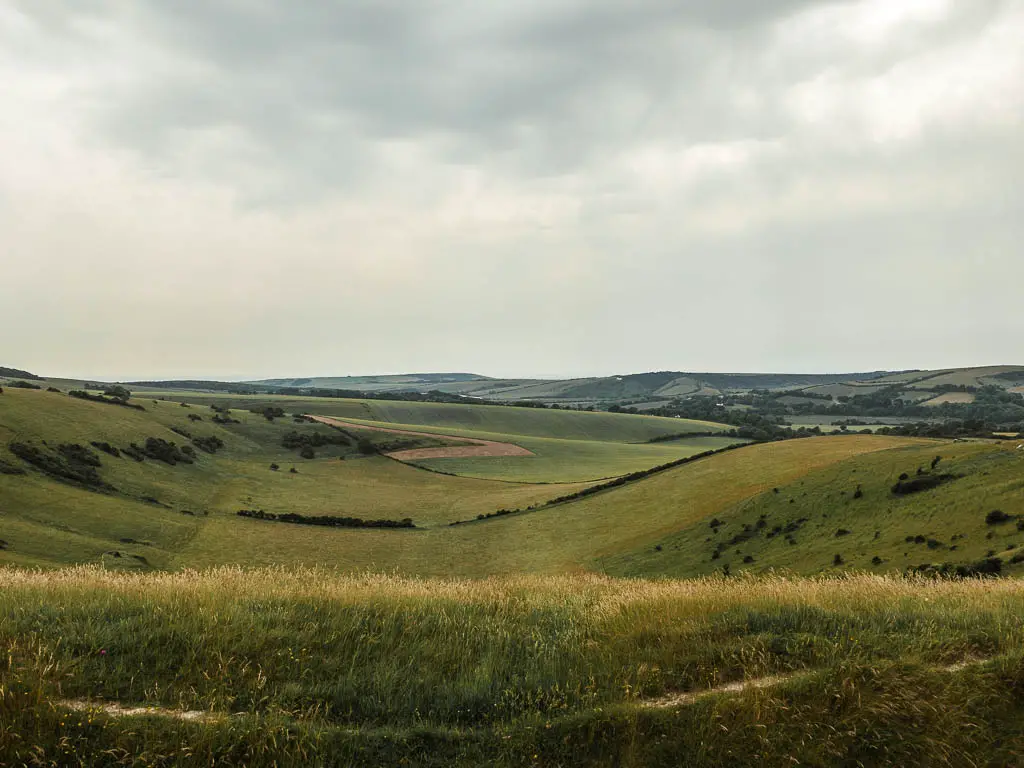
[{"x": 248, "y": 188}]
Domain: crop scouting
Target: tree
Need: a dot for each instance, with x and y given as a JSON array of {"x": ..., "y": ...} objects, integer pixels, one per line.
[{"x": 117, "y": 392}]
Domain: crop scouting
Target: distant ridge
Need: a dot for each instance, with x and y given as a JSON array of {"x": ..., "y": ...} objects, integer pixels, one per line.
[
  {"x": 646, "y": 391},
  {"x": 17, "y": 373}
]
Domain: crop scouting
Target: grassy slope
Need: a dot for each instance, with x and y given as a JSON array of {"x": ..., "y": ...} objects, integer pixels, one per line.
[
  {"x": 579, "y": 460},
  {"x": 506, "y": 420},
  {"x": 376, "y": 670},
  {"x": 991, "y": 478},
  {"x": 567, "y": 537},
  {"x": 563, "y": 460},
  {"x": 49, "y": 522}
]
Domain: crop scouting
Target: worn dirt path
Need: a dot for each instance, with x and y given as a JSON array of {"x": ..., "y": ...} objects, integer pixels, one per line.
[
  {"x": 738, "y": 686},
  {"x": 479, "y": 448},
  {"x": 115, "y": 709}
]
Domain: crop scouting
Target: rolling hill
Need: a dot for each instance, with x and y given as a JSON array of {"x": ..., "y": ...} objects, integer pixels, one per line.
[
  {"x": 367, "y": 610},
  {"x": 156, "y": 514}
]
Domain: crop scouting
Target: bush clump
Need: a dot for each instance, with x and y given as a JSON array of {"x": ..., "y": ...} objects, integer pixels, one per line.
[
  {"x": 328, "y": 521},
  {"x": 72, "y": 463},
  {"x": 106, "y": 448},
  {"x": 989, "y": 566},
  {"x": 302, "y": 440},
  {"x": 81, "y": 394},
  {"x": 996, "y": 517},
  {"x": 920, "y": 483},
  {"x": 210, "y": 444},
  {"x": 133, "y": 451},
  {"x": 162, "y": 450},
  {"x": 10, "y": 469},
  {"x": 269, "y": 412}
]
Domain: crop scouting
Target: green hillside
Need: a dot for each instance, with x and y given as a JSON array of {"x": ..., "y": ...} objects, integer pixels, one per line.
[
  {"x": 155, "y": 509},
  {"x": 849, "y": 509},
  {"x": 568, "y": 537},
  {"x": 155, "y": 514},
  {"x": 495, "y": 419},
  {"x": 274, "y": 639}
]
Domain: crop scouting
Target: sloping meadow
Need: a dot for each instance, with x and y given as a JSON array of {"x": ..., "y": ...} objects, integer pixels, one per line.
[{"x": 309, "y": 667}]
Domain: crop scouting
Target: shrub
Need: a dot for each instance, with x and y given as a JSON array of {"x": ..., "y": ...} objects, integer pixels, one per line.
[
  {"x": 858, "y": 493},
  {"x": 328, "y": 521},
  {"x": 838, "y": 560},
  {"x": 133, "y": 451},
  {"x": 842, "y": 532},
  {"x": 293, "y": 471},
  {"x": 194, "y": 417},
  {"x": 79, "y": 454},
  {"x": 10, "y": 469},
  {"x": 117, "y": 392},
  {"x": 920, "y": 483},
  {"x": 996, "y": 517},
  {"x": 106, "y": 448},
  {"x": 269, "y": 412},
  {"x": 53, "y": 389},
  {"x": 24, "y": 385},
  {"x": 81, "y": 394},
  {"x": 298, "y": 440},
  {"x": 274, "y": 467},
  {"x": 210, "y": 444},
  {"x": 876, "y": 560},
  {"x": 307, "y": 452},
  {"x": 72, "y": 463},
  {"x": 990, "y": 566},
  {"x": 161, "y": 450}
]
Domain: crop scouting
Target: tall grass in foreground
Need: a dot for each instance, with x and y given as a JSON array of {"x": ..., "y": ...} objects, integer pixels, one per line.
[{"x": 373, "y": 669}]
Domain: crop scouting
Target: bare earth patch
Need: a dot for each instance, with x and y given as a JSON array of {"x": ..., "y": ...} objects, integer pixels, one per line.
[
  {"x": 117, "y": 710},
  {"x": 739, "y": 686},
  {"x": 478, "y": 448},
  {"x": 114, "y": 709}
]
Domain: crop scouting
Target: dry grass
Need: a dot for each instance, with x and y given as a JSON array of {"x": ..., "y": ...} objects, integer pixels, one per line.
[{"x": 313, "y": 665}]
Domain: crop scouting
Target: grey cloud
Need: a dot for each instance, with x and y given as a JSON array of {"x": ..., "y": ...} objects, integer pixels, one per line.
[
  {"x": 550, "y": 84},
  {"x": 525, "y": 187}
]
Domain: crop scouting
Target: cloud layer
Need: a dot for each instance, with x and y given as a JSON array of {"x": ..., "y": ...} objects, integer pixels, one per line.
[{"x": 246, "y": 187}]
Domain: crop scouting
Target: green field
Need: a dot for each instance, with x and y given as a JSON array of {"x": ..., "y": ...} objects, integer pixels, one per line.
[
  {"x": 298, "y": 668},
  {"x": 944, "y": 524},
  {"x": 568, "y": 460},
  {"x": 508, "y": 640},
  {"x": 147, "y": 519},
  {"x": 507, "y": 420}
]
